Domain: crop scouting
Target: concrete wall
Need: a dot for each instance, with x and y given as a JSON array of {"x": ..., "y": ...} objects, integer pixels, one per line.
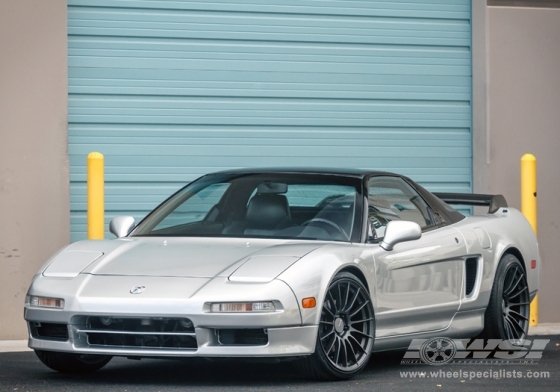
[
  {"x": 34, "y": 194},
  {"x": 523, "y": 110}
]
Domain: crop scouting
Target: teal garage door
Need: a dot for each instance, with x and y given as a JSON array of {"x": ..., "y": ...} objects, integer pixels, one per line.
[{"x": 170, "y": 90}]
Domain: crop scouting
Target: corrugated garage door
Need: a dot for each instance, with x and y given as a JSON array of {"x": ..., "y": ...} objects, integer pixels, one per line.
[{"x": 170, "y": 90}]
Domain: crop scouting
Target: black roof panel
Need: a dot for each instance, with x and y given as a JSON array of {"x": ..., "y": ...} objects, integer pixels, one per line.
[{"x": 308, "y": 170}]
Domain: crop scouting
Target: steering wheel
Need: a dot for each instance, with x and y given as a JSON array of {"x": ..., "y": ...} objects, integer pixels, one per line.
[{"x": 329, "y": 223}]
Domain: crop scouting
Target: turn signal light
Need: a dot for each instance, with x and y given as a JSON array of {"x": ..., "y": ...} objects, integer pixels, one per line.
[
  {"x": 308, "y": 303},
  {"x": 45, "y": 302}
]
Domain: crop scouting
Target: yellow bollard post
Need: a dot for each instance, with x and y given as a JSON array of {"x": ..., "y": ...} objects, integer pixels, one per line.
[
  {"x": 529, "y": 209},
  {"x": 95, "y": 197}
]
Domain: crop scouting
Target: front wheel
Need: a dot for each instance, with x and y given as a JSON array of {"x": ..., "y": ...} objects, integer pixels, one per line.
[
  {"x": 72, "y": 363},
  {"x": 346, "y": 331},
  {"x": 507, "y": 315}
]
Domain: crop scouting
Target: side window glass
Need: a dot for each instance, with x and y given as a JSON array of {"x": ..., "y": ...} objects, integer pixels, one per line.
[{"x": 391, "y": 198}]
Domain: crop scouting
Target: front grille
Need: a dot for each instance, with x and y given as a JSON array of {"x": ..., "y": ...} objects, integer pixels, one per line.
[
  {"x": 152, "y": 340},
  {"x": 49, "y": 331},
  {"x": 471, "y": 265},
  {"x": 168, "y": 333}
]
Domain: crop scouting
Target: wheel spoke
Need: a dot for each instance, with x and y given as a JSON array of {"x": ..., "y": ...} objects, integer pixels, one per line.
[
  {"x": 352, "y": 352},
  {"x": 363, "y": 350},
  {"x": 445, "y": 356},
  {"x": 516, "y": 293},
  {"x": 361, "y": 321},
  {"x": 359, "y": 308},
  {"x": 509, "y": 332},
  {"x": 512, "y": 328},
  {"x": 343, "y": 342},
  {"x": 338, "y": 350},
  {"x": 515, "y": 323},
  {"x": 327, "y": 335},
  {"x": 361, "y": 333},
  {"x": 333, "y": 302},
  {"x": 353, "y": 300},
  {"x": 340, "y": 306},
  {"x": 326, "y": 322},
  {"x": 518, "y": 303},
  {"x": 431, "y": 354},
  {"x": 511, "y": 285},
  {"x": 331, "y": 346},
  {"x": 327, "y": 309},
  {"x": 347, "y": 296},
  {"x": 518, "y": 314}
]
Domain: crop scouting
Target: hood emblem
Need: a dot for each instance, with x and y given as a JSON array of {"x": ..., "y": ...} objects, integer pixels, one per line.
[{"x": 137, "y": 289}]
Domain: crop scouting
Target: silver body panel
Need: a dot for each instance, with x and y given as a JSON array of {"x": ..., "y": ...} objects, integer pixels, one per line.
[{"x": 417, "y": 289}]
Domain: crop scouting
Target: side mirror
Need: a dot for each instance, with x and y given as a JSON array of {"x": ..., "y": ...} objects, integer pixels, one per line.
[
  {"x": 400, "y": 231},
  {"x": 121, "y": 225}
]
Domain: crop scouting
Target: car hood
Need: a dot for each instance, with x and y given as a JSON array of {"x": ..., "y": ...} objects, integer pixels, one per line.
[{"x": 252, "y": 260}]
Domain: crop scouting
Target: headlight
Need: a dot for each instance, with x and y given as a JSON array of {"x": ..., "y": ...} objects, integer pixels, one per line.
[
  {"x": 44, "y": 302},
  {"x": 237, "y": 307}
]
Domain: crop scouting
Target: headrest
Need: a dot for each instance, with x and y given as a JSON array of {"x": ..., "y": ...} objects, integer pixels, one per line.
[
  {"x": 267, "y": 212},
  {"x": 272, "y": 188}
]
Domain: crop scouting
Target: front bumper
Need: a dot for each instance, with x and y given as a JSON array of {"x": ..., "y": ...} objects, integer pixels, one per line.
[
  {"x": 290, "y": 341},
  {"x": 167, "y": 299}
]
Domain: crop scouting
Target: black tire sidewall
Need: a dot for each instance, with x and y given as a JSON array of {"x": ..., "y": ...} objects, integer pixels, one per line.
[{"x": 71, "y": 363}]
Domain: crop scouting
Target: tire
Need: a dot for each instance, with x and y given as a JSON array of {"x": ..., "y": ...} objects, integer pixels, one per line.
[
  {"x": 72, "y": 363},
  {"x": 507, "y": 315},
  {"x": 346, "y": 331}
]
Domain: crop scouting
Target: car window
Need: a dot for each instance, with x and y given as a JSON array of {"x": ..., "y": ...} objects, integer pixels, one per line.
[
  {"x": 309, "y": 206},
  {"x": 391, "y": 198},
  {"x": 316, "y": 195},
  {"x": 264, "y": 205},
  {"x": 195, "y": 208}
]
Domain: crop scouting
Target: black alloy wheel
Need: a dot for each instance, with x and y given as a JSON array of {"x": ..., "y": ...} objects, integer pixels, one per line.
[
  {"x": 346, "y": 330},
  {"x": 507, "y": 315}
]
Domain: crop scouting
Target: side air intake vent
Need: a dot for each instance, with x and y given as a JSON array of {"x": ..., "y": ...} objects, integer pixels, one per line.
[
  {"x": 471, "y": 266},
  {"x": 243, "y": 337},
  {"x": 49, "y": 331}
]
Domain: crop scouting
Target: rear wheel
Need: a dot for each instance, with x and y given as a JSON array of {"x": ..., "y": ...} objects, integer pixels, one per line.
[
  {"x": 507, "y": 315},
  {"x": 72, "y": 363},
  {"x": 346, "y": 331}
]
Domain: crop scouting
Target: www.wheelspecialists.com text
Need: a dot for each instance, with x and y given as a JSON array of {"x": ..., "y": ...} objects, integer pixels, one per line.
[{"x": 471, "y": 374}]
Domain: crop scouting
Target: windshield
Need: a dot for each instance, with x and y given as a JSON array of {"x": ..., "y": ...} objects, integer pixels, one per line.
[{"x": 294, "y": 206}]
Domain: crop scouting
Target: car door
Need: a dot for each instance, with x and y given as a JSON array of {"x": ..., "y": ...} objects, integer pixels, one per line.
[{"x": 418, "y": 283}]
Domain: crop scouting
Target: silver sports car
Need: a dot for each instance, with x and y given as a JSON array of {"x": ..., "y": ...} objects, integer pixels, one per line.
[{"x": 321, "y": 267}]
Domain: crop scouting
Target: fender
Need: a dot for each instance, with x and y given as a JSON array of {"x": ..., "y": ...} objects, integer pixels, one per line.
[{"x": 323, "y": 264}]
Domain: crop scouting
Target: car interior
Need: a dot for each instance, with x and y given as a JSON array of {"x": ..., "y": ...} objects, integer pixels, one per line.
[{"x": 248, "y": 208}]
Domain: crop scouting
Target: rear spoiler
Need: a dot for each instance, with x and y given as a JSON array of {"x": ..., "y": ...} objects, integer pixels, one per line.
[{"x": 494, "y": 202}]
